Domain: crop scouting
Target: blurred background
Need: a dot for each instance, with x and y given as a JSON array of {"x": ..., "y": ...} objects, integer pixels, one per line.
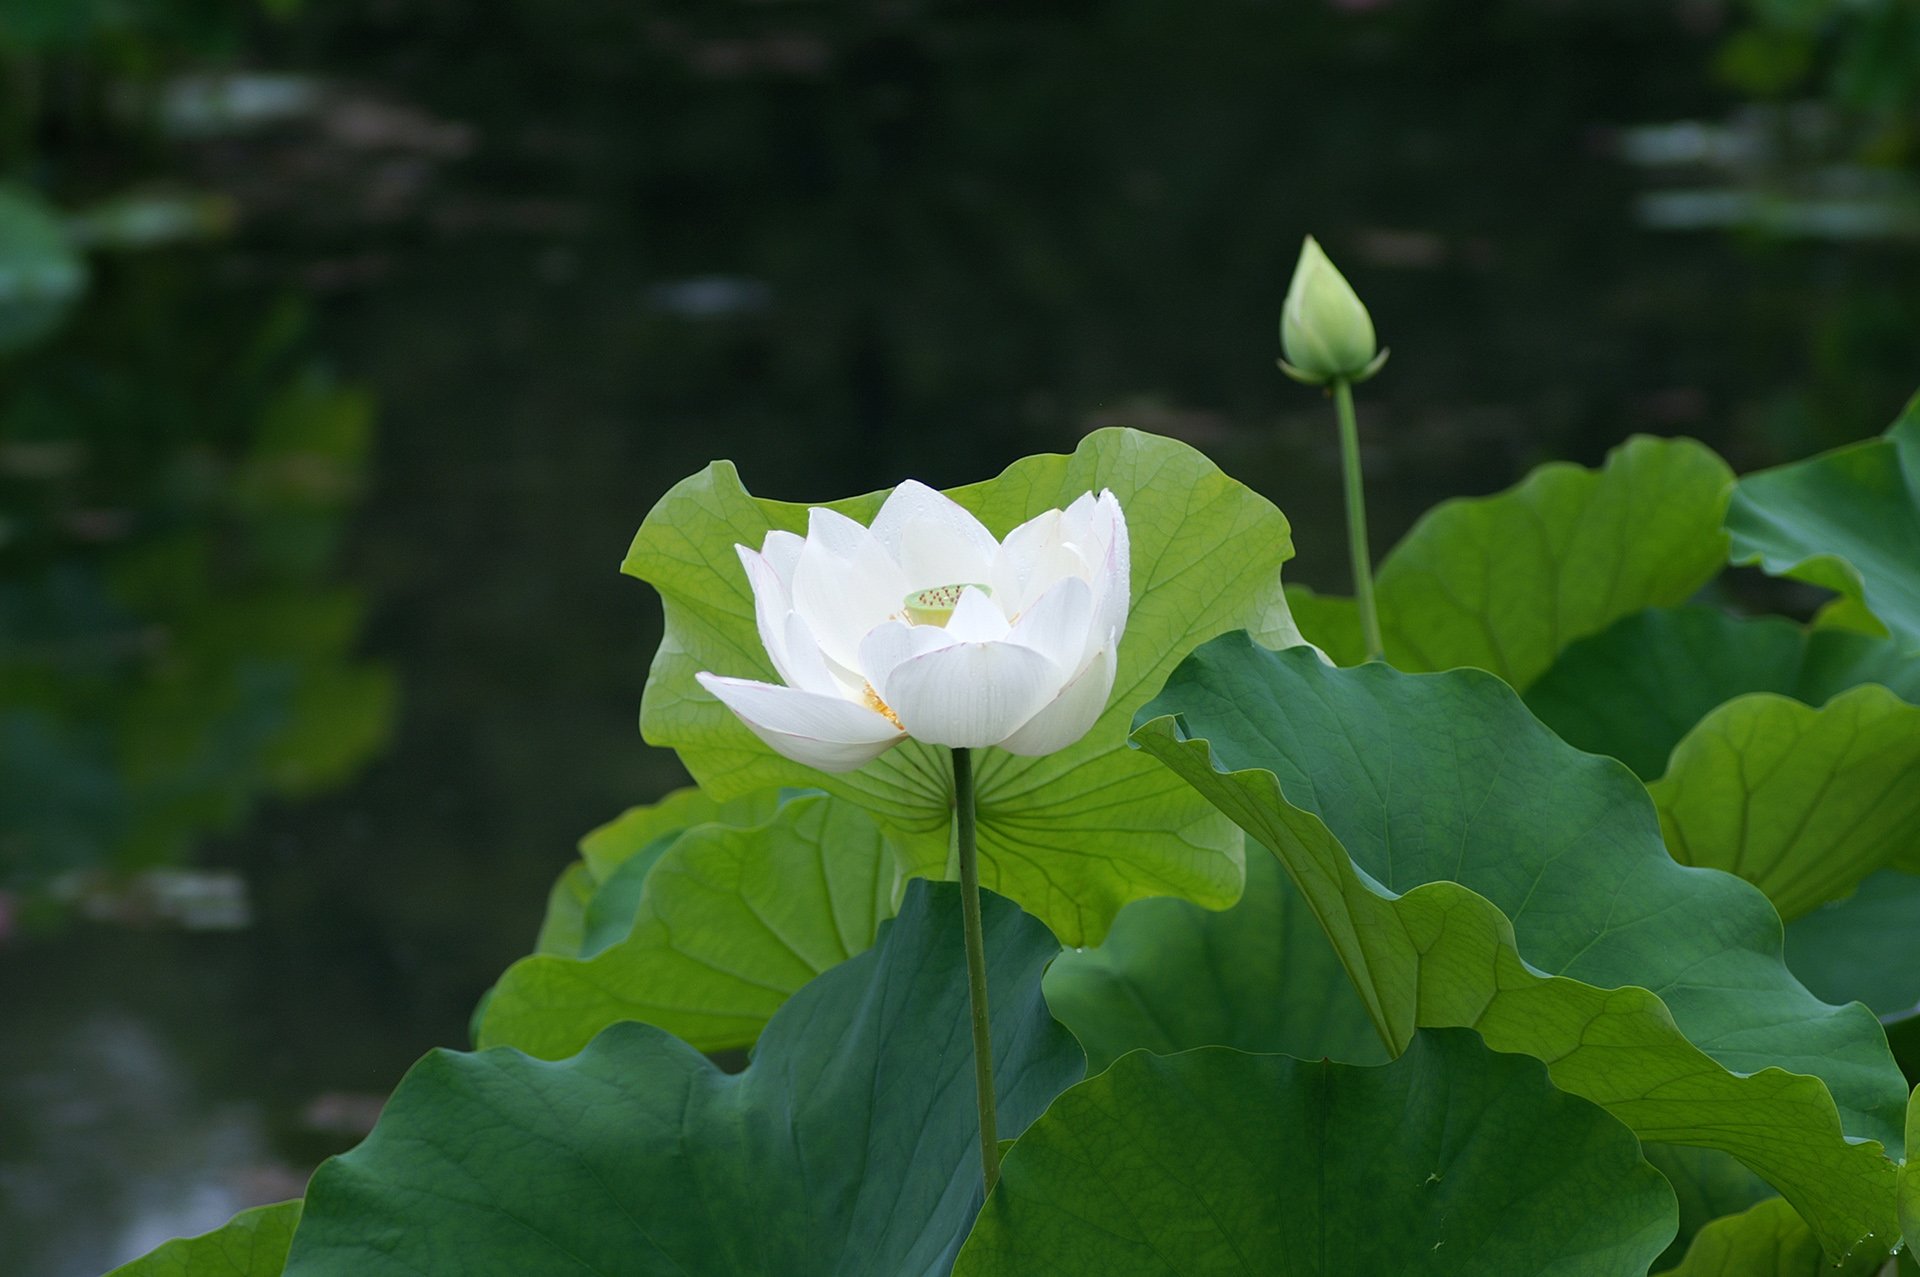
[{"x": 343, "y": 346}]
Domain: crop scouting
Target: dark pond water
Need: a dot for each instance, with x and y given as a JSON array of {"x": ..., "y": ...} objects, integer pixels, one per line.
[{"x": 312, "y": 507}]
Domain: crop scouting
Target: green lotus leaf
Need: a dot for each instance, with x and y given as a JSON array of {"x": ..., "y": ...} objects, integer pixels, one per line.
[
  {"x": 1909, "y": 1196},
  {"x": 1862, "y": 948},
  {"x": 1450, "y": 1160},
  {"x": 1802, "y": 803},
  {"x": 1172, "y": 976},
  {"x": 593, "y": 901},
  {"x": 1848, "y": 520},
  {"x": 1633, "y": 690},
  {"x": 1843, "y": 612},
  {"x": 1766, "y": 1240},
  {"x": 1708, "y": 1185},
  {"x": 251, "y": 1244},
  {"x": 850, "y": 1145},
  {"x": 637, "y": 829},
  {"x": 563, "y": 928},
  {"x": 1072, "y": 836},
  {"x": 1473, "y": 870},
  {"x": 729, "y": 922},
  {"x": 1504, "y": 583}
]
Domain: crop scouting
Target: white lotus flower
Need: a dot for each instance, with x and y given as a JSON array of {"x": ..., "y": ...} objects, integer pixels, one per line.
[{"x": 924, "y": 626}]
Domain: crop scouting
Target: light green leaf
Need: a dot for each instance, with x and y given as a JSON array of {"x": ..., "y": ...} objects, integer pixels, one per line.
[
  {"x": 1767, "y": 1240},
  {"x": 1505, "y": 582},
  {"x": 1708, "y": 1185},
  {"x": 593, "y": 901},
  {"x": 1172, "y": 976},
  {"x": 850, "y": 1145},
  {"x": 1802, "y": 803},
  {"x": 1848, "y": 520},
  {"x": 729, "y": 923},
  {"x": 564, "y": 926},
  {"x": 1910, "y": 1175},
  {"x": 1450, "y": 1160},
  {"x": 635, "y": 830},
  {"x": 1634, "y": 689},
  {"x": 615, "y": 903},
  {"x": 251, "y": 1244},
  {"x": 1471, "y": 869},
  {"x": 41, "y": 274},
  {"x": 1072, "y": 836},
  {"x": 1843, "y": 612},
  {"x": 1862, "y": 947}
]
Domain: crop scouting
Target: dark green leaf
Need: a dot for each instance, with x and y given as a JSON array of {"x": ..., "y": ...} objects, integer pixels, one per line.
[
  {"x": 1848, "y": 519},
  {"x": 850, "y": 1145},
  {"x": 1171, "y": 976},
  {"x": 1450, "y": 1160},
  {"x": 1633, "y": 690},
  {"x": 1471, "y": 869}
]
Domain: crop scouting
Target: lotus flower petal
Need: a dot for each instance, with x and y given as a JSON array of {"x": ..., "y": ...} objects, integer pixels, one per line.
[
  {"x": 1071, "y": 714},
  {"x": 970, "y": 695},
  {"x": 828, "y": 732}
]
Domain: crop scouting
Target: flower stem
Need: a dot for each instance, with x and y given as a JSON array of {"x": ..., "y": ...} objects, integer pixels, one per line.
[
  {"x": 1357, "y": 519},
  {"x": 976, "y": 962}
]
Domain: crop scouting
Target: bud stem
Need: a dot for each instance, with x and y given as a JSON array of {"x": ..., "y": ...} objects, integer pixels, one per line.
[
  {"x": 969, "y": 855},
  {"x": 1357, "y": 519}
]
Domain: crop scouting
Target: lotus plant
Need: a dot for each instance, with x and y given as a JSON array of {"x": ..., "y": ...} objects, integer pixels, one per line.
[{"x": 923, "y": 626}]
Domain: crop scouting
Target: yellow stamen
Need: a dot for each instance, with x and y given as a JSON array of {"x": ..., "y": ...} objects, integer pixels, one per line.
[{"x": 871, "y": 699}]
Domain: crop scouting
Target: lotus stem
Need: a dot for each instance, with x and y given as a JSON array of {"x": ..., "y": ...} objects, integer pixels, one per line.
[
  {"x": 1357, "y": 520},
  {"x": 969, "y": 853}
]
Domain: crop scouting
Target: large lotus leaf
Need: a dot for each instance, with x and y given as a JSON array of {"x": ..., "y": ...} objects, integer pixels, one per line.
[
  {"x": 251, "y": 1244},
  {"x": 1172, "y": 976},
  {"x": 850, "y": 1145},
  {"x": 1505, "y": 582},
  {"x": 1863, "y": 947},
  {"x": 1848, "y": 519},
  {"x": 1634, "y": 689},
  {"x": 1071, "y": 836},
  {"x": 1450, "y": 1160},
  {"x": 730, "y": 923},
  {"x": 1803, "y": 803},
  {"x": 1472, "y": 869}
]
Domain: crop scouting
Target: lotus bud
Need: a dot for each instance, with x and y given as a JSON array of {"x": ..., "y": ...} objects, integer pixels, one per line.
[{"x": 1325, "y": 332}]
